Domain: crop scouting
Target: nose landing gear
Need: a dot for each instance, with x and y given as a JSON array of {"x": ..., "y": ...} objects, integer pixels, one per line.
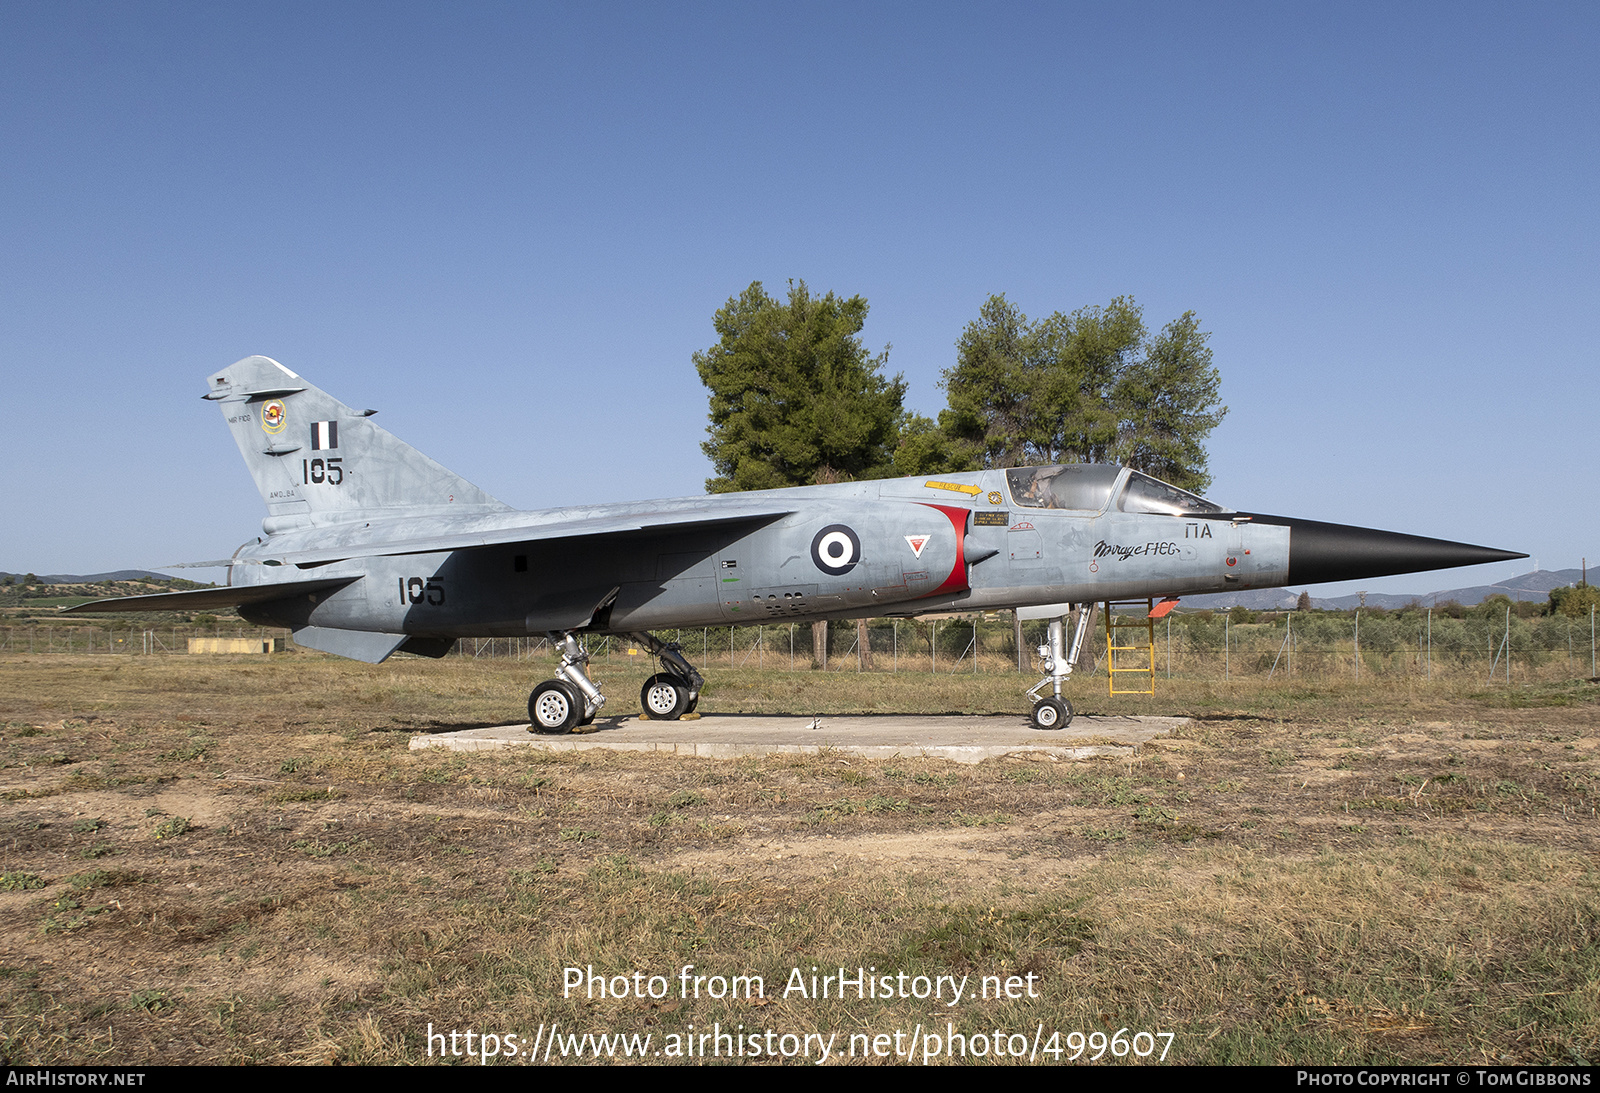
[{"x": 1055, "y": 712}]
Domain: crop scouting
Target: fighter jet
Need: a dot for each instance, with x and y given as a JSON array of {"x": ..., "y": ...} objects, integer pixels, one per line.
[{"x": 370, "y": 547}]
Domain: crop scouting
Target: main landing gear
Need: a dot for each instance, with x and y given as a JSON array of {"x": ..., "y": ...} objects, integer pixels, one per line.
[
  {"x": 1055, "y": 712},
  {"x": 673, "y": 691},
  {"x": 571, "y": 699}
]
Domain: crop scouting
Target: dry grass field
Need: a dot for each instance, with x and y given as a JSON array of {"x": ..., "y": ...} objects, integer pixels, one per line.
[{"x": 239, "y": 860}]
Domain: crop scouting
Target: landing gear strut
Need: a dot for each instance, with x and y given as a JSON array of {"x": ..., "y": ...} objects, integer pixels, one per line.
[
  {"x": 673, "y": 691},
  {"x": 571, "y": 699},
  {"x": 1055, "y": 712}
]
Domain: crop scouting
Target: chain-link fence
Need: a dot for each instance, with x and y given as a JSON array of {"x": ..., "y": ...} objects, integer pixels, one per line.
[
  {"x": 57, "y": 638},
  {"x": 1414, "y": 644},
  {"x": 1195, "y": 646}
]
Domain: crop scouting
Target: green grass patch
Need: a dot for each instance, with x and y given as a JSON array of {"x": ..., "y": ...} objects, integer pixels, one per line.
[
  {"x": 171, "y": 828},
  {"x": 17, "y": 881}
]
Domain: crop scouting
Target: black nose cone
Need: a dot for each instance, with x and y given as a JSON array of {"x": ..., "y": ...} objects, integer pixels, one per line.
[{"x": 1319, "y": 552}]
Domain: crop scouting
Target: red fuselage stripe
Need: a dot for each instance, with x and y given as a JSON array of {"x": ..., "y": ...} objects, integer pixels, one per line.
[{"x": 957, "y": 581}]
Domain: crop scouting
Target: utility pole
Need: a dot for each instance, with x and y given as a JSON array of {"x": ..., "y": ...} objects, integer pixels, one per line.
[
  {"x": 1508, "y": 644},
  {"x": 1357, "y": 638}
]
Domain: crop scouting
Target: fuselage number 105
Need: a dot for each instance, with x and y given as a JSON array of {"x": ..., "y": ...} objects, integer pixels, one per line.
[{"x": 415, "y": 590}]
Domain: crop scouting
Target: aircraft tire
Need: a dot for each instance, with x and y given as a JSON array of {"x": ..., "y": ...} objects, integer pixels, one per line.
[
  {"x": 554, "y": 707},
  {"x": 664, "y": 698},
  {"x": 1051, "y": 713}
]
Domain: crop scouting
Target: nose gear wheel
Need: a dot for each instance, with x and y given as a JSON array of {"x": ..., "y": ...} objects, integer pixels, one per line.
[{"x": 1052, "y": 713}]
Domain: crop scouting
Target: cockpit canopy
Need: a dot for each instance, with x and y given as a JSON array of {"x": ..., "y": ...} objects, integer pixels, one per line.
[
  {"x": 1083, "y": 486},
  {"x": 1088, "y": 487}
]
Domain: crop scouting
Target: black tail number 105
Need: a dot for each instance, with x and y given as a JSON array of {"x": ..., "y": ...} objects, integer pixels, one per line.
[
  {"x": 330, "y": 471},
  {"x": 415, "y": 590}
]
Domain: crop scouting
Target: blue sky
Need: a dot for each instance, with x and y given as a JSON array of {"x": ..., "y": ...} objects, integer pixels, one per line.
[{"x": 507, "y": 227}]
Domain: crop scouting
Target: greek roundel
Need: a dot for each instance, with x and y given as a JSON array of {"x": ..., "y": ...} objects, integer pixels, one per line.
[{"x": 836, "y": 549}]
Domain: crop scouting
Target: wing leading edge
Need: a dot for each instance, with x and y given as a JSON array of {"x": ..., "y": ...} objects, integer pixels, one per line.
[
  {"x": 198, "y": 599},
  {"x": 576, "y": 528}
]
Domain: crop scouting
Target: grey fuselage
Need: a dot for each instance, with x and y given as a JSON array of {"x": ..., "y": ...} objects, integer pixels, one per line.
[{"x": 881, "y": 548}]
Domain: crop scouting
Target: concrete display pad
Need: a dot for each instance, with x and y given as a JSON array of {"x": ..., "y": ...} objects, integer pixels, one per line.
[{"x": 726, "y": 736}]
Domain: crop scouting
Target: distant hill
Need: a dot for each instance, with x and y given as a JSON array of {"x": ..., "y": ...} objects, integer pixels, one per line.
[
  {"x": 92, "y": 578},
  {"x": 1528, "y": 586},
  {"x": 64, "y": 589}
]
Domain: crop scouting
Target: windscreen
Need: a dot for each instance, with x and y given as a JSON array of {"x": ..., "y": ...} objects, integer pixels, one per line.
[
  {"x": 1083, "y": 486},
  {"x": 1146, "y": 494}
]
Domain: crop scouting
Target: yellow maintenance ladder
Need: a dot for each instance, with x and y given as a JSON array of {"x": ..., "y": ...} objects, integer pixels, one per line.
[{"x": 1140, "y": 656}]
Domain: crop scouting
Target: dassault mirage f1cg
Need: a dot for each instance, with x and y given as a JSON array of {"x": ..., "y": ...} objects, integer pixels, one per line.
[{"x": 371, "y": 547}]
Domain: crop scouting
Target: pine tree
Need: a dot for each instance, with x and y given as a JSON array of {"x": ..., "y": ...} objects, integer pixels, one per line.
[
  {"x": 796, "y": 399},
  {"x": 1089, "y": 387}
]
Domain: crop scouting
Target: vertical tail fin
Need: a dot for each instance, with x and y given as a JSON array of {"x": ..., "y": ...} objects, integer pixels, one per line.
[{"x": 316, "y": 460}]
